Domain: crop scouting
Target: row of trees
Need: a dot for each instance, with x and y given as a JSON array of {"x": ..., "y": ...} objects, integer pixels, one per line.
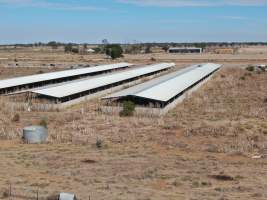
[
  {"x": 116, "y": 51},
  {"x": 55, "y": 44},
  {"x": 112, "y": 50}
]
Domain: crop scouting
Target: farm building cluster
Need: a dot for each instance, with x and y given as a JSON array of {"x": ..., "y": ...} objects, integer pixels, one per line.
[{"x": 156, "y": 87}]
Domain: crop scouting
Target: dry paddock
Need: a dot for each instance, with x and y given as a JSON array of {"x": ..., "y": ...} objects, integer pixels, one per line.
[{"x": 203, "y": 149}]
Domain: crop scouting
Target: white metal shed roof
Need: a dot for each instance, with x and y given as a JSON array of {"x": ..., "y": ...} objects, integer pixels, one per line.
[
  {"x": 166, "y": 87},
  {"x": 94, "y": 83},
  {"x": 13, "y": 82},
  {"x": 187, "y": 48}
]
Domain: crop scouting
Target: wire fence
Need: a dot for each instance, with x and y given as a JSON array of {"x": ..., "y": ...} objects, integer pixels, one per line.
[{"x": 12, "y": 192}]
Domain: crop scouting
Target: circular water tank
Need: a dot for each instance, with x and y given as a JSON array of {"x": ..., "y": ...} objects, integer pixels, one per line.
[{"x": 35, "y": 134}]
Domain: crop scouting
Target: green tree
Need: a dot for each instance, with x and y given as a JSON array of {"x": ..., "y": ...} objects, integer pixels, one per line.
[
  {"x": 165, "y": 48},
  {"x": 148, "y": 49},
  {"x": 201, "y": 45},
  {"x": 75, "y": 50},
  {"x": 133, "y": 49},
  {"x": 128, "y": 109},
  {"x": 53, "y": 44},
  {"x": 97, "y": 50},
  {"x": 68, "y": 48},
  {"x": 114, "y": 51}
]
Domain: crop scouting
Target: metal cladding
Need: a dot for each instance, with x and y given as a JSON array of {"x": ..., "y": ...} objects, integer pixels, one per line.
[
  {"x": 35, "y": 134},
  {"x": 165, "y": 88},
  {"x": 185, "y": 50},
  {"x": 69, "y": 89},
  {"x": 13, "y": 82},
  {"x": 66, "y": 196}
]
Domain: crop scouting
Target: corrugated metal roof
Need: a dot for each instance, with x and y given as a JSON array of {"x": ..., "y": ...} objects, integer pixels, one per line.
[
  {"x": 94, "y": 83},
  {"x": 56, "y": 75},
  {"x": 66, "y": 196},
  {"x": 166, "y": 87},
  {"x": 187, "y": 48}
]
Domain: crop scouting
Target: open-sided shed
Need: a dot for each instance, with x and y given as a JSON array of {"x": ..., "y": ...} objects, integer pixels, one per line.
[
  {"x": 69, "y": 91},
  {"x": 164, "y": 90},
  {"x": 32, "y": 81}
]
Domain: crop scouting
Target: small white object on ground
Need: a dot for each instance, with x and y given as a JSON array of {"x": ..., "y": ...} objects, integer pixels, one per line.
[{"x": 257, "y": 156}]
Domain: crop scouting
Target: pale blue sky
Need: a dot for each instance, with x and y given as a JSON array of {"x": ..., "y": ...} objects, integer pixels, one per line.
[{"x": 26, "y": 21}]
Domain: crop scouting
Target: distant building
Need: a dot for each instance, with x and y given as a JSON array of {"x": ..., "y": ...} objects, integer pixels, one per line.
[
  {"x": 90, "y": 50},
  {"x": 185, "y": 50}
]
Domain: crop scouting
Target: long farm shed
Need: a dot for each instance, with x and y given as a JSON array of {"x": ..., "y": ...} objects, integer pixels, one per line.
[
  {"x": 70, "y": 91},
  {"x": 32, "y": 81},
  {"x": 166, "y": 89}
]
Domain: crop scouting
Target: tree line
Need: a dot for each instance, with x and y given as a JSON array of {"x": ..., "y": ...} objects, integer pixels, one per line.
[
  {"x": 116, "y": 50},
  {"x": 207, "y": 44}
]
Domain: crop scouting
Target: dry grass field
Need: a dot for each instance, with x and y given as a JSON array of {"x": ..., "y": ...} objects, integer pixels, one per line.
[{"x": 211, "y": 146}]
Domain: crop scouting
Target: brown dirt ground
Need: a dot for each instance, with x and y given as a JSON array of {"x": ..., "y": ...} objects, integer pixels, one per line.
[{"x": 216, "y": 131}]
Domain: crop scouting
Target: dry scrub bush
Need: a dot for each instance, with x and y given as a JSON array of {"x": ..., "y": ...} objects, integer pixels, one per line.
[
  {"x": 128, "y": 109},
  {"x": 15, "y": 118},
  {"x": 43, "y": 123},
  {"x": 53, "y": 197},
  {"x": 224, "y": 107},
  {"x": 5, "y": 194}
]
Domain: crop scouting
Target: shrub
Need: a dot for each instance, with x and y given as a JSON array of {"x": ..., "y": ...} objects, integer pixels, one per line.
[
  {"x": 53, "y": 44},
  {"x": 75, "y": 50},
  {"x": 99, "y": 143},
  {"x": 97, "y": 50},
  {"x": 5, "y": 194},
  {"x": 243, "y": 78},
  {"x": 68, "y": 48},
  {"x": 153, "y": 59},
  {"x": 128, "y": 109},
  {"x": 114, "y": 51},
  {"x": 53, "y": 197},
  {"x": 43, "y": 123},
  {"x": 133, "y": 49},
  {"x": 250, "y": 68},
  {"x": 222, "y": 177},
  {"x": 148, "y": 49},
  {"x": 195, "y": 184},
  {"x": 165, "y": 48},
  {"x": 15, "y": 118}
]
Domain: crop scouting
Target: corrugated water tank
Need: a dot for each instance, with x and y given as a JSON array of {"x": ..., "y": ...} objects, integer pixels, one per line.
[
  {"x": 66, "y": 196},
  {"x": 35, "y": 134}
]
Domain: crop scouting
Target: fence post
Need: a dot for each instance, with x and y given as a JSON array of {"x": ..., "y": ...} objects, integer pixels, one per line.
[
  {"x": 37, "y": 194},
  {"x": 10, "y": 191}
]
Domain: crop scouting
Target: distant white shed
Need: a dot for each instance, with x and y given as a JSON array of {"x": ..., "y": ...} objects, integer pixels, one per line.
[{"x": 90, "y": 50}]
